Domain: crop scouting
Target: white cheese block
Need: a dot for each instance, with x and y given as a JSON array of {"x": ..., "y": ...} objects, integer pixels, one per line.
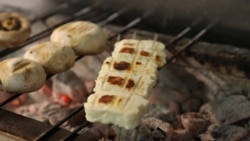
[
  {"x": 116, "y": 108},
  {"x": 125, "y": 82}
]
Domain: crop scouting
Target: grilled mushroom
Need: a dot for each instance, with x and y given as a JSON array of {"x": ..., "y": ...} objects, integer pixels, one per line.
[
  {"x": 20, "y": 75},
  {"x": 84, "y": 37},
  {"x": 54, "y": 57},
  {"x": 14, "y": 29}
]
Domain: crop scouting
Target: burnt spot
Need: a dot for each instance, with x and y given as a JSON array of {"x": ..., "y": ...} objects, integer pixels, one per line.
[
  {"x": 119, "y": 101},
  {"x": 128, "y": 44},
  {"x": 106, "y": 99},
  {"x": 138, "y": 63},
  {"x": 144, "y": 53},
  {"x": 107, "y": 62},
  {"x": 122, "y": 65},
  {"x": 115, "y": 80},
  {"x": 157, "y": 58},
  {"x": 127, "y": 50},
  {"x": 130, "y": 84}
]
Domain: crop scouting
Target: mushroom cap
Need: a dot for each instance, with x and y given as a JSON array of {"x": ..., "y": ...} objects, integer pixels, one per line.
[
  {"x": 11, "y": 38},
  {"x": 20, "y": 75},
  {"x": 84, "y": 37},
  {"x": 54, "y": 57}
]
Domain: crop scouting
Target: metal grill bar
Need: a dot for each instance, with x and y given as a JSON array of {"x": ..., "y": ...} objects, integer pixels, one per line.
[
  {"x": 182, "y": 34},
  {"x": 9, "y": 99},
  {"x": 190, "y": 42},
  {"x": 130, "y": 25},
  {"x": 50, "y": 13},
  {"x": 112, "y": 17},
  {"x": 55, "y": 127},
  {"x": 74, "y": 132}
]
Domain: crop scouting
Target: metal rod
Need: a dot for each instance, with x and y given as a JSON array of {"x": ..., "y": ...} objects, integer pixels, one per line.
[
  {"x": 136, "y": 132},
  {"x": 127, "y": 27},
  {"x": 9, "y": 99},
  {"x": 52, "y": 129},
  {"x": 190, "y": 43},
  {"x": 45, "y": 32},
  {"x": 112, "y": 17},
  {"x": 131, "y": 24},
  {"x": 50, "y": 13},
  {"x": 118, "y": 136},
  {"x": 75, "y": 131},
  {"x": 182, "y": 34}
]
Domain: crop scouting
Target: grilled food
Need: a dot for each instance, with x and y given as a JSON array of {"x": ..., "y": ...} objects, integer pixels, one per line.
[
  {"x": 121, "y": 109},
  {"x": 142, "y": 50},
  {"x": 54, "y": 57},
  {"x": 20, "y": 75},
  {"x": 14, "y": 29},
  {"x": 125, "y": 82},
  {"x": 84, "y": 37}
]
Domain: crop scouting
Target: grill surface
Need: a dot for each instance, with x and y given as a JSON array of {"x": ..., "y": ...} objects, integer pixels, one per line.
[{"x": 234, "y": 61}]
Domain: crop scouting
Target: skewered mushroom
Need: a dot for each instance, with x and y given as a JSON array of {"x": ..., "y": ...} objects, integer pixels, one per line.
[
  {"x": 54, "y": 57},
  {"x": 14, "y": 29},
  {"x": 84, "y": 37},
  {"x": 20, "y": 75}
]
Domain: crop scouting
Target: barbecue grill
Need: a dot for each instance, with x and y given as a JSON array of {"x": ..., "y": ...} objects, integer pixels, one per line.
[{"x": 195, "y": 36}]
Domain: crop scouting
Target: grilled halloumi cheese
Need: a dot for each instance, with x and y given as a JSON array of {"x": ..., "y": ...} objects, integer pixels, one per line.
[
  {"x": 125, "y": 82},
  {"x": 124, "y": 110}
]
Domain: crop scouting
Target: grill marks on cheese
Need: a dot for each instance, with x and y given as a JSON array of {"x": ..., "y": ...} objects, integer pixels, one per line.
[
  {"x": 127, "y": 50},
  {"x": 123, "y": 65},
  {"x": 106, "y": 99},
  {"x": 115, "y": 80}
]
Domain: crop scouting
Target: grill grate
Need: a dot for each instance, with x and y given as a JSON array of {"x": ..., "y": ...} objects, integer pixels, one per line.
[{"x": 82, "y": 14}]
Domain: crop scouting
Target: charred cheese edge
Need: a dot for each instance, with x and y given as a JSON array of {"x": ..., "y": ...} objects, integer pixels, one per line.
[{"x": 117, "y": 108}]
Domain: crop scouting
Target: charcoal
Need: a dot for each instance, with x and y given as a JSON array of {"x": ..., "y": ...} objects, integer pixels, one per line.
[
  {"x": 226, "y": 133},
  {"x": 99, "y": 130},
  {"x": 181, "y": 135},
  {"x": 69, "y": 85},
  {"x": 194, "y": 123},
  {"x": 228, "y": 109},
  {"x": 154, "y": 123},
  {"x": 191, "y": 105},
  {"x": 157, "y": 129}
]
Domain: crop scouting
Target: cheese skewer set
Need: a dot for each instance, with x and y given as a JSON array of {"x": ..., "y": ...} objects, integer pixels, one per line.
[{"x": 124, "y": 83}]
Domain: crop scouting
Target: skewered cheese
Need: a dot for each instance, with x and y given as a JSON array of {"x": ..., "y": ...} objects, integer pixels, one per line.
[{"x": 125, "y": 82}]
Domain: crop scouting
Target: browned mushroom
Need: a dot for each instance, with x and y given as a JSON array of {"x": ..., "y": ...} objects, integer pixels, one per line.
[{"x": 14, "y": 29}]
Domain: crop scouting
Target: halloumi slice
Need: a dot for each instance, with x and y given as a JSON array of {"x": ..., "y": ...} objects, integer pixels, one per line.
[
  {"x": 116, "y": 108},
  {"x": 124, "y": 83}
]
